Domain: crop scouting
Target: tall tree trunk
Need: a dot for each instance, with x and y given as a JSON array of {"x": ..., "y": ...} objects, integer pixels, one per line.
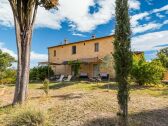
[
  {"x": 123, "y": 103},
  {"x": 23, "y": 45},
  {"x": 24, "y": 13}
]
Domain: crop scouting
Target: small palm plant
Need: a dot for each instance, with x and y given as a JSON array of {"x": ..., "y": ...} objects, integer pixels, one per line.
[{"x": 46, "y": 86}]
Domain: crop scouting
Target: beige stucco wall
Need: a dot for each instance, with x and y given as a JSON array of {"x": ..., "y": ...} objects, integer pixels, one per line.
[
  {"x": 165, "y": 76},
  {"x": 83, "y": 50}
]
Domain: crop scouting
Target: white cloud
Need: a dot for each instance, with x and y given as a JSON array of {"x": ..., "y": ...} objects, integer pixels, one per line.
[
  {"x": 135, "y": 18},
  {"x": 4, "y": 49},
  {"x": 76, "y": 11},
  {"x": 159, "y": 15},
  {"x": 150, "y": 41},
  {"x": 140, "y": 28},
  {"x": 165, "y": 22},
  {"x": 134, "y": 4},
  {"x": 6, "y": 17},
  {"x": 78, "y": 34},
  {"x": 164, "y": 8},
  {"x": 149, "y": 2},
  {"x": 79, "y": 15},
  {"x": 48, "y": 19},
  {"x": 146, "y": 27},
  {"x": 38, "y": 56},
  {"x": 34, "y": 55},
  {"x": 147, "y": 18},
  {"x": 83, "y": 20}
]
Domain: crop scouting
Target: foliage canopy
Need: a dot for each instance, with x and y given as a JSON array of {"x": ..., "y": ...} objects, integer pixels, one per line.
[
  {"x": 6, "y": 60},
  {"x": 162, "y": 55},
  {"x": 123, "y": 58},
  {"x": 40, "y": 73},
  {"x": 147, "y": 72}
]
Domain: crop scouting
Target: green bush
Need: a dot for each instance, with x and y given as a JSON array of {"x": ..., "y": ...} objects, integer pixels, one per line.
[
  {"x": 46, "y": 86},
  {"x": 147, "y": 72},
  {"x": 8, "y": 81},
  {"x": 40, "y": 73},
  {"x": 28, "y": 117},
  {"x": 8, "y": 77}
]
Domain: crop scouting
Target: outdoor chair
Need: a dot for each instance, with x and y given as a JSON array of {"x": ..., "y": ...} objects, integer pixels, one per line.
[
  {"x": 104, "y": 76},
  {"x": 60, "y": 79},
  {"x": 92, "y": 79},
  {"x": 69, "y": 78},
  {"x": 95, "y": 79},
  {"x": 83, "y": 76},
  {"x": 98, "y": 79}
]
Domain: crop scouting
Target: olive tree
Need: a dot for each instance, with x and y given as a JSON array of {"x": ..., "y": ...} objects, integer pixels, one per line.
[{"x": 24, "y": 13}]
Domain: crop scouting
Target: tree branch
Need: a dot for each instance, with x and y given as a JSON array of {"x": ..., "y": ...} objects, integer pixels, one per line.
[
  {"x": 34, "y": 14},
  {"x": 14, "y": 10}
]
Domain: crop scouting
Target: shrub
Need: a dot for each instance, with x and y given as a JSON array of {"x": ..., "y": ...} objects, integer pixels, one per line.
[
  {"x": 162, "y": 56},
  {"x": 8, "y": 81},
  {"x": 28, "y": 117},
  {"x": 40, "y": 73},
  {"x": 147, "y": 72},
  {"x": 8, "y": 77},
  {"x": 46, "y": 86}
]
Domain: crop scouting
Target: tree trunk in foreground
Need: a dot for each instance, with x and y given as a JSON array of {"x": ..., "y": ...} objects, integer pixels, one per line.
[
  {"x": 24, "y": 13},
  {"x": 23, "y": 47},
  {"x": 123, "y": 58}
]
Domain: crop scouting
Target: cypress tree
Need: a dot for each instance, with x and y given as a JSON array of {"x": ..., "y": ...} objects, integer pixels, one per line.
[{"x": 123, "y": 58}]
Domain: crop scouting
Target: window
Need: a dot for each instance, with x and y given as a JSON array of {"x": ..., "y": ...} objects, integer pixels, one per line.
[
  {"x": 96, "y": 47},
  {"x": 73, "y": 49},
  {"x": 55, "y": 53}
]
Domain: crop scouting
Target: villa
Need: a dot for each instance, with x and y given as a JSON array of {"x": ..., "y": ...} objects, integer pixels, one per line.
[{"x": 88, "y": 52}]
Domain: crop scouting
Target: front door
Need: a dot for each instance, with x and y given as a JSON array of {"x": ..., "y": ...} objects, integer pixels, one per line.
[{"x": 95, "y": 70}]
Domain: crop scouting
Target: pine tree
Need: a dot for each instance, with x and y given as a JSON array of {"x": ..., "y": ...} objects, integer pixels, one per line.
[
  {"x": 24, "y": 13},
  {"x": 123, "y": 58}
]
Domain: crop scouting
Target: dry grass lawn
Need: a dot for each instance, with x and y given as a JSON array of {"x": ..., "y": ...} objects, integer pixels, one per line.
[{"x": 91, "y": 104}]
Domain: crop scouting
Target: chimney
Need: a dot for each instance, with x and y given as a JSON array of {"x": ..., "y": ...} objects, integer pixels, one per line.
[
  {"x": 65, "y": 41},
  {"x": 93, "y": 36}
]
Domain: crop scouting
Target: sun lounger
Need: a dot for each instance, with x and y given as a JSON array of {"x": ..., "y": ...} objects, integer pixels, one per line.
[
  {"x": 92, "y": 79},
  {"x": 69, "y": 78},
  {"x": 60, "y": 79}
]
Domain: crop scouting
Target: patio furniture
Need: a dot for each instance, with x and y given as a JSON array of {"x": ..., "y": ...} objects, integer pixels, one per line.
[
  {"x": 104, "y": 76},
  {"x": 60, "y": 79},
  {"x": 83, "y": 75},
  {"x": 92, "y": 79},
  {"x": 69, "y": 78},
  {"x": 98, "y": 79}
]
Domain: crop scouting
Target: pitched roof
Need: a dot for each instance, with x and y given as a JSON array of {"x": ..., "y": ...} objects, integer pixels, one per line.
[{"x": 80, "y": 41}]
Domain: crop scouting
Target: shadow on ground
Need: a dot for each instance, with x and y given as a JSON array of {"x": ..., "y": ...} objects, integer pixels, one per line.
[
  {"x": 69, "y": 96},
  {"x": 115, "y": 87},
  {"x": 157, "y": 117},
  {"x": 62, "y": 85}
]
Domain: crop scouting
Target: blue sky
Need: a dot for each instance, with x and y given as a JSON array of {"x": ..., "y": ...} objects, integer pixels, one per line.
[{"x": 80, "y": 19}]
